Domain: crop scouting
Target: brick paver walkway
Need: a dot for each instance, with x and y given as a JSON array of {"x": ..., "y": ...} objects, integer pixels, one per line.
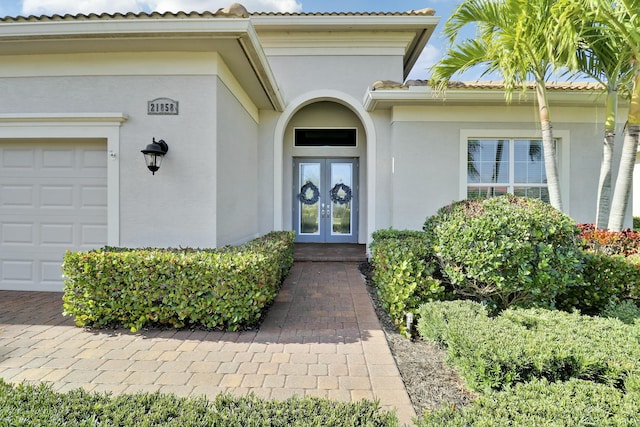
[{"x": 321, "y": 337}]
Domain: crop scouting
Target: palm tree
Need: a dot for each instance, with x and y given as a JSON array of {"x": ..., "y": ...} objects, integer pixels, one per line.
[
  {"x": 618, "y": 20},
  {"x": 515, "y": 38},
  {"x": 605, "y": 57}
]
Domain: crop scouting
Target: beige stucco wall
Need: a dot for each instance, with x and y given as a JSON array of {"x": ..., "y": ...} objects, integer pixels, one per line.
[
  {"x": 428, "y": 164},
  {"x": 352, "y": 75},
  {"x": 237, "y": 171},
  {"x": 177, "y": 206}
]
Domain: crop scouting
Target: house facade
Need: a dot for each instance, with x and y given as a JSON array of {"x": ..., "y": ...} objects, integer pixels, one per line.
[{"x": 273, "y": 121}]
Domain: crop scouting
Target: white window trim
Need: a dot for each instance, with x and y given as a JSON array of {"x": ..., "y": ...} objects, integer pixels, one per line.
[{"x": 563, "y": 152}]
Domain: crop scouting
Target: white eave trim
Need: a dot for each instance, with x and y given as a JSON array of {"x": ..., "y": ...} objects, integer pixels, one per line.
[
  {"x": 122, "y": 27},
  {"x": 343, "y": 22},
  {"x": 387, "y": 98},
  {"x": 66, "y": 118}
]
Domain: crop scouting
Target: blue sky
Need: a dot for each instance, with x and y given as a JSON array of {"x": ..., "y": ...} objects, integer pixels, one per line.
[{"x": 434, "y": 50}]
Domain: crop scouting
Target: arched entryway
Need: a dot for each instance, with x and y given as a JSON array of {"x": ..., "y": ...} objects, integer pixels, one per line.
[{"x": 324, "y": 186}]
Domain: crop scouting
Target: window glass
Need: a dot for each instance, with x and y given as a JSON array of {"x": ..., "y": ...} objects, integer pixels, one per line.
[{"x": 499, "y": 166}]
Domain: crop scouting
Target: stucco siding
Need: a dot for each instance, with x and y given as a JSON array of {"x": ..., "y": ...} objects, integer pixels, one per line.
[
  {"x": 429, "y": 167},
  {"x": 350, "y": 74},
  {"x": 173, "y": 208},
  {"x": 425, "y": 175},
  {"x": 237, "y": 172}
]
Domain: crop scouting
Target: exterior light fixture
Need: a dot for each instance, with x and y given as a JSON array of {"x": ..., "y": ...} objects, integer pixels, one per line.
[{"x": 154, "y": 153}]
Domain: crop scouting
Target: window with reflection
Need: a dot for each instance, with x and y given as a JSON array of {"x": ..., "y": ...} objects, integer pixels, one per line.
[{"x": 501, "y": 166}]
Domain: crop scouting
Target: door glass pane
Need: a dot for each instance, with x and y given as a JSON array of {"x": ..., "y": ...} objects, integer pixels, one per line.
[
  {"x": 341, "y": 194},
  {"x": 309, "y": 198}
]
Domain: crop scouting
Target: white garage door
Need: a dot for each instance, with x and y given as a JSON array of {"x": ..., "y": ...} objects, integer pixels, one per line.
[{"x": 53, "y": 197}]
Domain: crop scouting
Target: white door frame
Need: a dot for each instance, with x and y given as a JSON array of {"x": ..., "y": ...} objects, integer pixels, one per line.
[{"x": 278, "y": 161}]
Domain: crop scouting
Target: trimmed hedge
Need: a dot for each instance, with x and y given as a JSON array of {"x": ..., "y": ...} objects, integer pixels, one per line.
[
  {"x": 402, "y": 273},
  {"x": 541, "y": 403},
  {"x": 522, "y": 345},
  {"x": 226, "y": 288},
  {"x": 607, "y": 278},
  {"x": 26, "y": 405},
  {"x": 506, "y": 251}
]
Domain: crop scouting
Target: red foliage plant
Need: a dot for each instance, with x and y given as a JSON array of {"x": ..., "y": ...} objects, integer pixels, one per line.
[{"x": 625, "y": 242}]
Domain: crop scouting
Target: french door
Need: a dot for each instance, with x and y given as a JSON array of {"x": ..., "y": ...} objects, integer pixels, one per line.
[{"x": 325, "y": 200}]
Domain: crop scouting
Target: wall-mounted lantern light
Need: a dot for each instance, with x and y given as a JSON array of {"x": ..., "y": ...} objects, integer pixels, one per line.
[{"x": 154, "y": 153}]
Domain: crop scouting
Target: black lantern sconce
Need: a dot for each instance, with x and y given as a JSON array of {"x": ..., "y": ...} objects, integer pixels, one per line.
[{"x": 154, "y": 153}]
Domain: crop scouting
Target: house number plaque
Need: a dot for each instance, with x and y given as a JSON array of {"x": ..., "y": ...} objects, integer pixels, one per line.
[{"x": 162, "y": 107}]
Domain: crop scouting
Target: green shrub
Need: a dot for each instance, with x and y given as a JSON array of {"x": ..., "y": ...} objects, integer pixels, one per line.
[
  {"x": 226, "y": 288},
  {"x": 606, "y": 278},
  {"x": 626, "y": 311},
  {"x": 524, "y": 344},
  {"x": 636, "y": 223},
  {"x": 26, "y": 405},
  {"x": 506, "y": 250},
  {"x": 402, "y": 273},
  {"x": 541, "y": 403}
]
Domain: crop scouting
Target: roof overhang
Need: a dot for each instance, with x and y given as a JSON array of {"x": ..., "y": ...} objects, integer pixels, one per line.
[
  {"x": 234, "y": 39},
  {"x": 425, "y": 96},
  {"x": 415, "y": 29}
]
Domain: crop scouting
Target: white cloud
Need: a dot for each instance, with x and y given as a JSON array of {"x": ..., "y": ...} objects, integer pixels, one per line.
[{"x": 50, "y": 7}]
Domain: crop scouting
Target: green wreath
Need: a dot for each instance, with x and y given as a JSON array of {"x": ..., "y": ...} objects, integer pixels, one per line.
[
  {"x": 315, "y": 196},
  {"x": 335, "y": 194}
]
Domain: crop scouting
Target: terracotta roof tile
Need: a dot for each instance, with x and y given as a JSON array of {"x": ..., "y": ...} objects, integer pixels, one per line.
[
  {"x": 487, "y": 85},
  {"x": 219, "y": 13}
]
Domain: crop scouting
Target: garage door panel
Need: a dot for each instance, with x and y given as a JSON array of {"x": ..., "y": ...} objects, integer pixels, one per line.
[
  {"x": 92, "y": 235},
  {"x": 13, "y": 195},
  {"x": 17, "y": 271},
  {"x": 56, "y": 234},
  {"x": 50, "y": 272},
  {"x": 18, "y": 159},
  {"x": 16, "y": 233},
  {"x": 58, "y": 158},
  {"x": 93, "y": 161},
  {"x": 92, "y": 196},
  {"x": 56, "y": 196},
  {"x": 53, "y": 198}
]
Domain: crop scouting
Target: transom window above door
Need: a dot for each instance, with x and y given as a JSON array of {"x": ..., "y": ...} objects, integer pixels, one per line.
[
  {"x": 325, "y": 137},
  {"x": 499, "y": 166}
]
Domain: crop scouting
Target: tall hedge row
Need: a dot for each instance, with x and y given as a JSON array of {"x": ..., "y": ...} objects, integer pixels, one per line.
[{"x": 135, "y": 288}]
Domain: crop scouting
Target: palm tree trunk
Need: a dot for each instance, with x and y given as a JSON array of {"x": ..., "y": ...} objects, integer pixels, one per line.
[
  {"x": 553, "y": 182},
  {"x": 628, "y": 159},
  {"x": 604, "y": 184}
]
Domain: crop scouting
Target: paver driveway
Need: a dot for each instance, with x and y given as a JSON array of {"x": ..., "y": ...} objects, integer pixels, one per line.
[{"x": 321, "y": 337}]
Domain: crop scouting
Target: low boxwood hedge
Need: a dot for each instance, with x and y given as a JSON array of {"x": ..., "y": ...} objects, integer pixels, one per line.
[
  {"x": 135, "y": 288},
  {"x": 543, "y": 403},
  {"x": 522, "y": 345},
  {"x": 402, "y": 273},
  {"x": 29, "y": 405}
]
